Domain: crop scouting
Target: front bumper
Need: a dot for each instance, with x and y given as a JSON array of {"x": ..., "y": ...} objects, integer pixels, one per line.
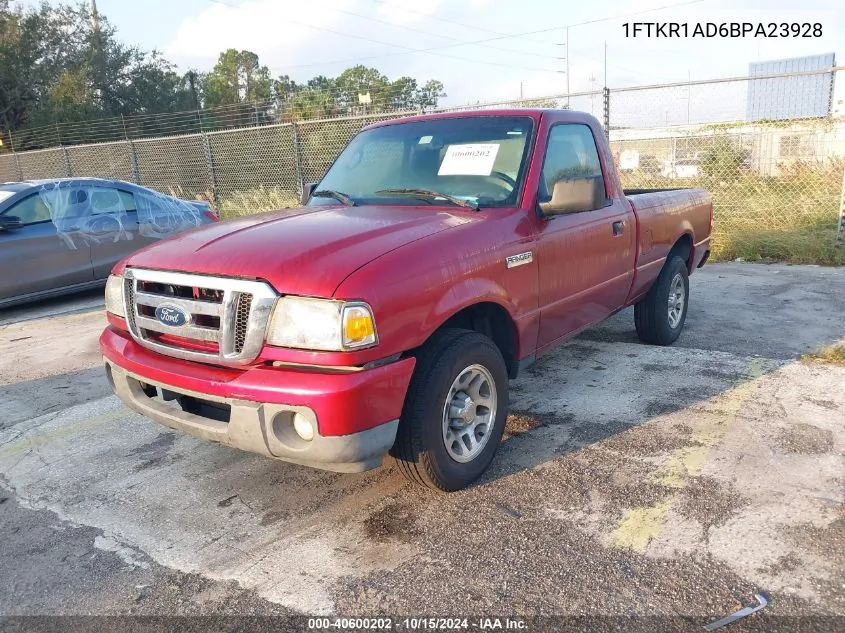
[{"x": 354, "y": 414}]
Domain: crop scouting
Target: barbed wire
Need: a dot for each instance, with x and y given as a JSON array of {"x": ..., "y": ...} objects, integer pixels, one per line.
[{"x": 633, "y": 106}]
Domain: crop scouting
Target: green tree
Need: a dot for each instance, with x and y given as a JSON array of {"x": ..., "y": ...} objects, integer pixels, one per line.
[
  {"x": 237, "y": 77},
  {"x": 354, "y": 83},
  {"x": 403, "y": 93},
  {"x": 56, "y": 66},
  {"x": 430, "y": 94},
  {"x": 20, "y": 52},
  {"x": 284, "y": 90}
]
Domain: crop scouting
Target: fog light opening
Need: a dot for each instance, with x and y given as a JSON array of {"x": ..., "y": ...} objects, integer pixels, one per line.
[{"x": 303, "y": 427}]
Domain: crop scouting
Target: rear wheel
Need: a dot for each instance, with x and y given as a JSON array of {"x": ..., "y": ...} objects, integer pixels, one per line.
[
  {"x": 455, "y": 411},
  {"x": 660, "y": 315}
]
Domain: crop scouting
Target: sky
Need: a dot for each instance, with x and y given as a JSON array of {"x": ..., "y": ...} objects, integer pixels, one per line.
[{"x": 473, "y": 51}]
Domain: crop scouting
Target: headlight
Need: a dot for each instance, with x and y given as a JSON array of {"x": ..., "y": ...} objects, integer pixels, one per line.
[
  {"x": 114, "y": 296},
  {"x": 321, "y": 324}
]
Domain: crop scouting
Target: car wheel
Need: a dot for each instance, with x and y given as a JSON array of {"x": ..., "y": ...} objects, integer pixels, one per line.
[
  {"x": 660, "y": 315},
  {"x": 454, "y": 412}
]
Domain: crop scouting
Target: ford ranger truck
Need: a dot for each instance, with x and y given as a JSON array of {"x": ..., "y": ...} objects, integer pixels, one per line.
[{"x": 438, "y": 257}]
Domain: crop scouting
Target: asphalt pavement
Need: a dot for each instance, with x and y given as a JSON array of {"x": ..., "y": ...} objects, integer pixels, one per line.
[{"x": 633, "y": 481}]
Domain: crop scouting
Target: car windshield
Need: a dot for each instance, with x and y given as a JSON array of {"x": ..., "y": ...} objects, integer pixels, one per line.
[{"x": 478, "y": 159}]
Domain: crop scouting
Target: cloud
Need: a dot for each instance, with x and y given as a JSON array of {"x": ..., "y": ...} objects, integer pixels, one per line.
[
  {"x": 277, "y": 30},
  {"x": 298, "y": 38},
  {"x": 408, "y": 11}
]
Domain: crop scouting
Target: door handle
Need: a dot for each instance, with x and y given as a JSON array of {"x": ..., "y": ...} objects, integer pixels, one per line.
[{"x": 618, "y": 228}]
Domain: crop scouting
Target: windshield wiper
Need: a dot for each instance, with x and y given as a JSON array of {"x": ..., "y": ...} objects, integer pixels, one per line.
[
  {"x": 337, "y": 195},
  {"x": 429, "y": 193}
]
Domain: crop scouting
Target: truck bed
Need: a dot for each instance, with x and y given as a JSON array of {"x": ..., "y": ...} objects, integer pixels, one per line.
[{"x": 663, "y": 214}]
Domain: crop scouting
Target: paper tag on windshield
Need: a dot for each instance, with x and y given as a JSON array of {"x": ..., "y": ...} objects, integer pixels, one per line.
[{"x": 474, "y": 159}]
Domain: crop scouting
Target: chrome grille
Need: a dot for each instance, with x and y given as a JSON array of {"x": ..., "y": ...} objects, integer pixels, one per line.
[
  {"x": 129, "y": 292},
  {"x": 242, "y": 320},
  {"x": 227, "y": 317}
]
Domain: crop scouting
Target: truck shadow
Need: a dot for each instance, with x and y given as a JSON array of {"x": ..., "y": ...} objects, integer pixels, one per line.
[{"x": 592, "y": 390}]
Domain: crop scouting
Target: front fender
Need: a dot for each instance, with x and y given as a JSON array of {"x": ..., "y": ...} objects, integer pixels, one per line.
[{"x": 465, "y": 293}]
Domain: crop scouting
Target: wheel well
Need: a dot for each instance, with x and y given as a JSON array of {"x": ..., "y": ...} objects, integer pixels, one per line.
[
  {"x": 683, "y": 248},
  {"x": 493, "y": 321}
]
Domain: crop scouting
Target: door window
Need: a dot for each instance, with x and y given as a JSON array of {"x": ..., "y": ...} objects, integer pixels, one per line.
[
  {"x": 571, "y": 153},
  {"x": 31, "y": 210},
  {"x": 110, "y": 201}
]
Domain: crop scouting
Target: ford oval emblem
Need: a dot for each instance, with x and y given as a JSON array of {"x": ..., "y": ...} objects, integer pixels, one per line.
[{"x": 173, "y": 316}]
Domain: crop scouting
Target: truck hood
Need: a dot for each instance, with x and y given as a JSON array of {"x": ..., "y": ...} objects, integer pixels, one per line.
[{"x": 306, "y": 251}]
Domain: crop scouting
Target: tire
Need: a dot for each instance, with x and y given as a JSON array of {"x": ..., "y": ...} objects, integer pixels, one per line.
[
  {"x": 452, "y": 359},
  {"x": 657, "y": 322}
]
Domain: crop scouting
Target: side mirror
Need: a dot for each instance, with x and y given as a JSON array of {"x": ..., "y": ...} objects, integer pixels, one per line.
[
  {"x": 574, "y": 195},
  {"x": 9, "y": 222},
  {"x": 307, "y": 190}
]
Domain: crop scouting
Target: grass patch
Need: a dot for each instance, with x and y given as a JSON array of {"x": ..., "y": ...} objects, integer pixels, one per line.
[
  {"x": 831, "y": 354},
  {"x": 788, "y": 218},
  {"x": 241, "y": 203},
  {"x": 801, "y": 245}
]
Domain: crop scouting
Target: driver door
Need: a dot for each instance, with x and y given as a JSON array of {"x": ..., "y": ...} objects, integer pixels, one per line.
[
  {"x": 35, "y": 257},
  {"x": 586, "y": 259}
]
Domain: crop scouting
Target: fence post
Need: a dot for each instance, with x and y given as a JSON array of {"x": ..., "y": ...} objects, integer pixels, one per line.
[
  {"x": 68, "y": 168},
  {"x": 297, "y": 152},
  {"x": 606, "y": 95},
  {"x": 133, "y": 158},
  {"x": 212, "y": 174},
  {"x": 17, "y": 156},
  {"x": 840, "y": 230}
]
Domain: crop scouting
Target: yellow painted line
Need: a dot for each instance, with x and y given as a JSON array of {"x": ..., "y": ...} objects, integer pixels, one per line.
[
  {"x": 28, "y": 443},
  {"x": 640, "y": 525}
]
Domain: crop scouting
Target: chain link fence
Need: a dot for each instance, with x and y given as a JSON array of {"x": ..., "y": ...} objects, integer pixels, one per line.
[
  {"x": 771, "y": 155},
  {"x": 767, "y": 149}
]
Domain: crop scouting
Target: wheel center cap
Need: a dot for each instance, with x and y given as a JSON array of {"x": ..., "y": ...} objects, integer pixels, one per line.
[{"x": 466, "y": 409}]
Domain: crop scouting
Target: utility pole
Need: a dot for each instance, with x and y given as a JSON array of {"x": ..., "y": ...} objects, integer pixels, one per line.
[
  {"x": 592, "y": 94},
  {"x": 95, "y": 18},
  {"x": 605, "y": 63},
  {"x": 567, "y": 66},
  {"x": 689, "y": 81},
  {"x": 97, "y": 57},
  {"x": 565, "y": 60}
]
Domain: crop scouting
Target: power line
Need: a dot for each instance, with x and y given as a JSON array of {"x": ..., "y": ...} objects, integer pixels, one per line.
[
  {"x": 441, "y": 35},
  {"x": 431, "y": 49},
  {"x": 474, "y": 27},
  {"x": 408, "y": 49}
]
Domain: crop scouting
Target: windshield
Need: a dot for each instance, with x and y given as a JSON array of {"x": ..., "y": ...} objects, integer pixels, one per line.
[{"x": 480, "y": 159}]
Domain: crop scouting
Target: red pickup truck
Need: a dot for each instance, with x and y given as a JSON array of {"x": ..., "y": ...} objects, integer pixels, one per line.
[{"x": 439, "y": 256}]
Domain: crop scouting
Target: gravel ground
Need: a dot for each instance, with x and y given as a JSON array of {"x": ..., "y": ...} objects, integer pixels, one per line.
[{"x": 671, "y": 484}]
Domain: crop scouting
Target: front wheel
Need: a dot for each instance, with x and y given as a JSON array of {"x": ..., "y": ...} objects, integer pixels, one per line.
[
  {"x": 455, "y": 411},
  {"x": 660, "y": 315}
]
